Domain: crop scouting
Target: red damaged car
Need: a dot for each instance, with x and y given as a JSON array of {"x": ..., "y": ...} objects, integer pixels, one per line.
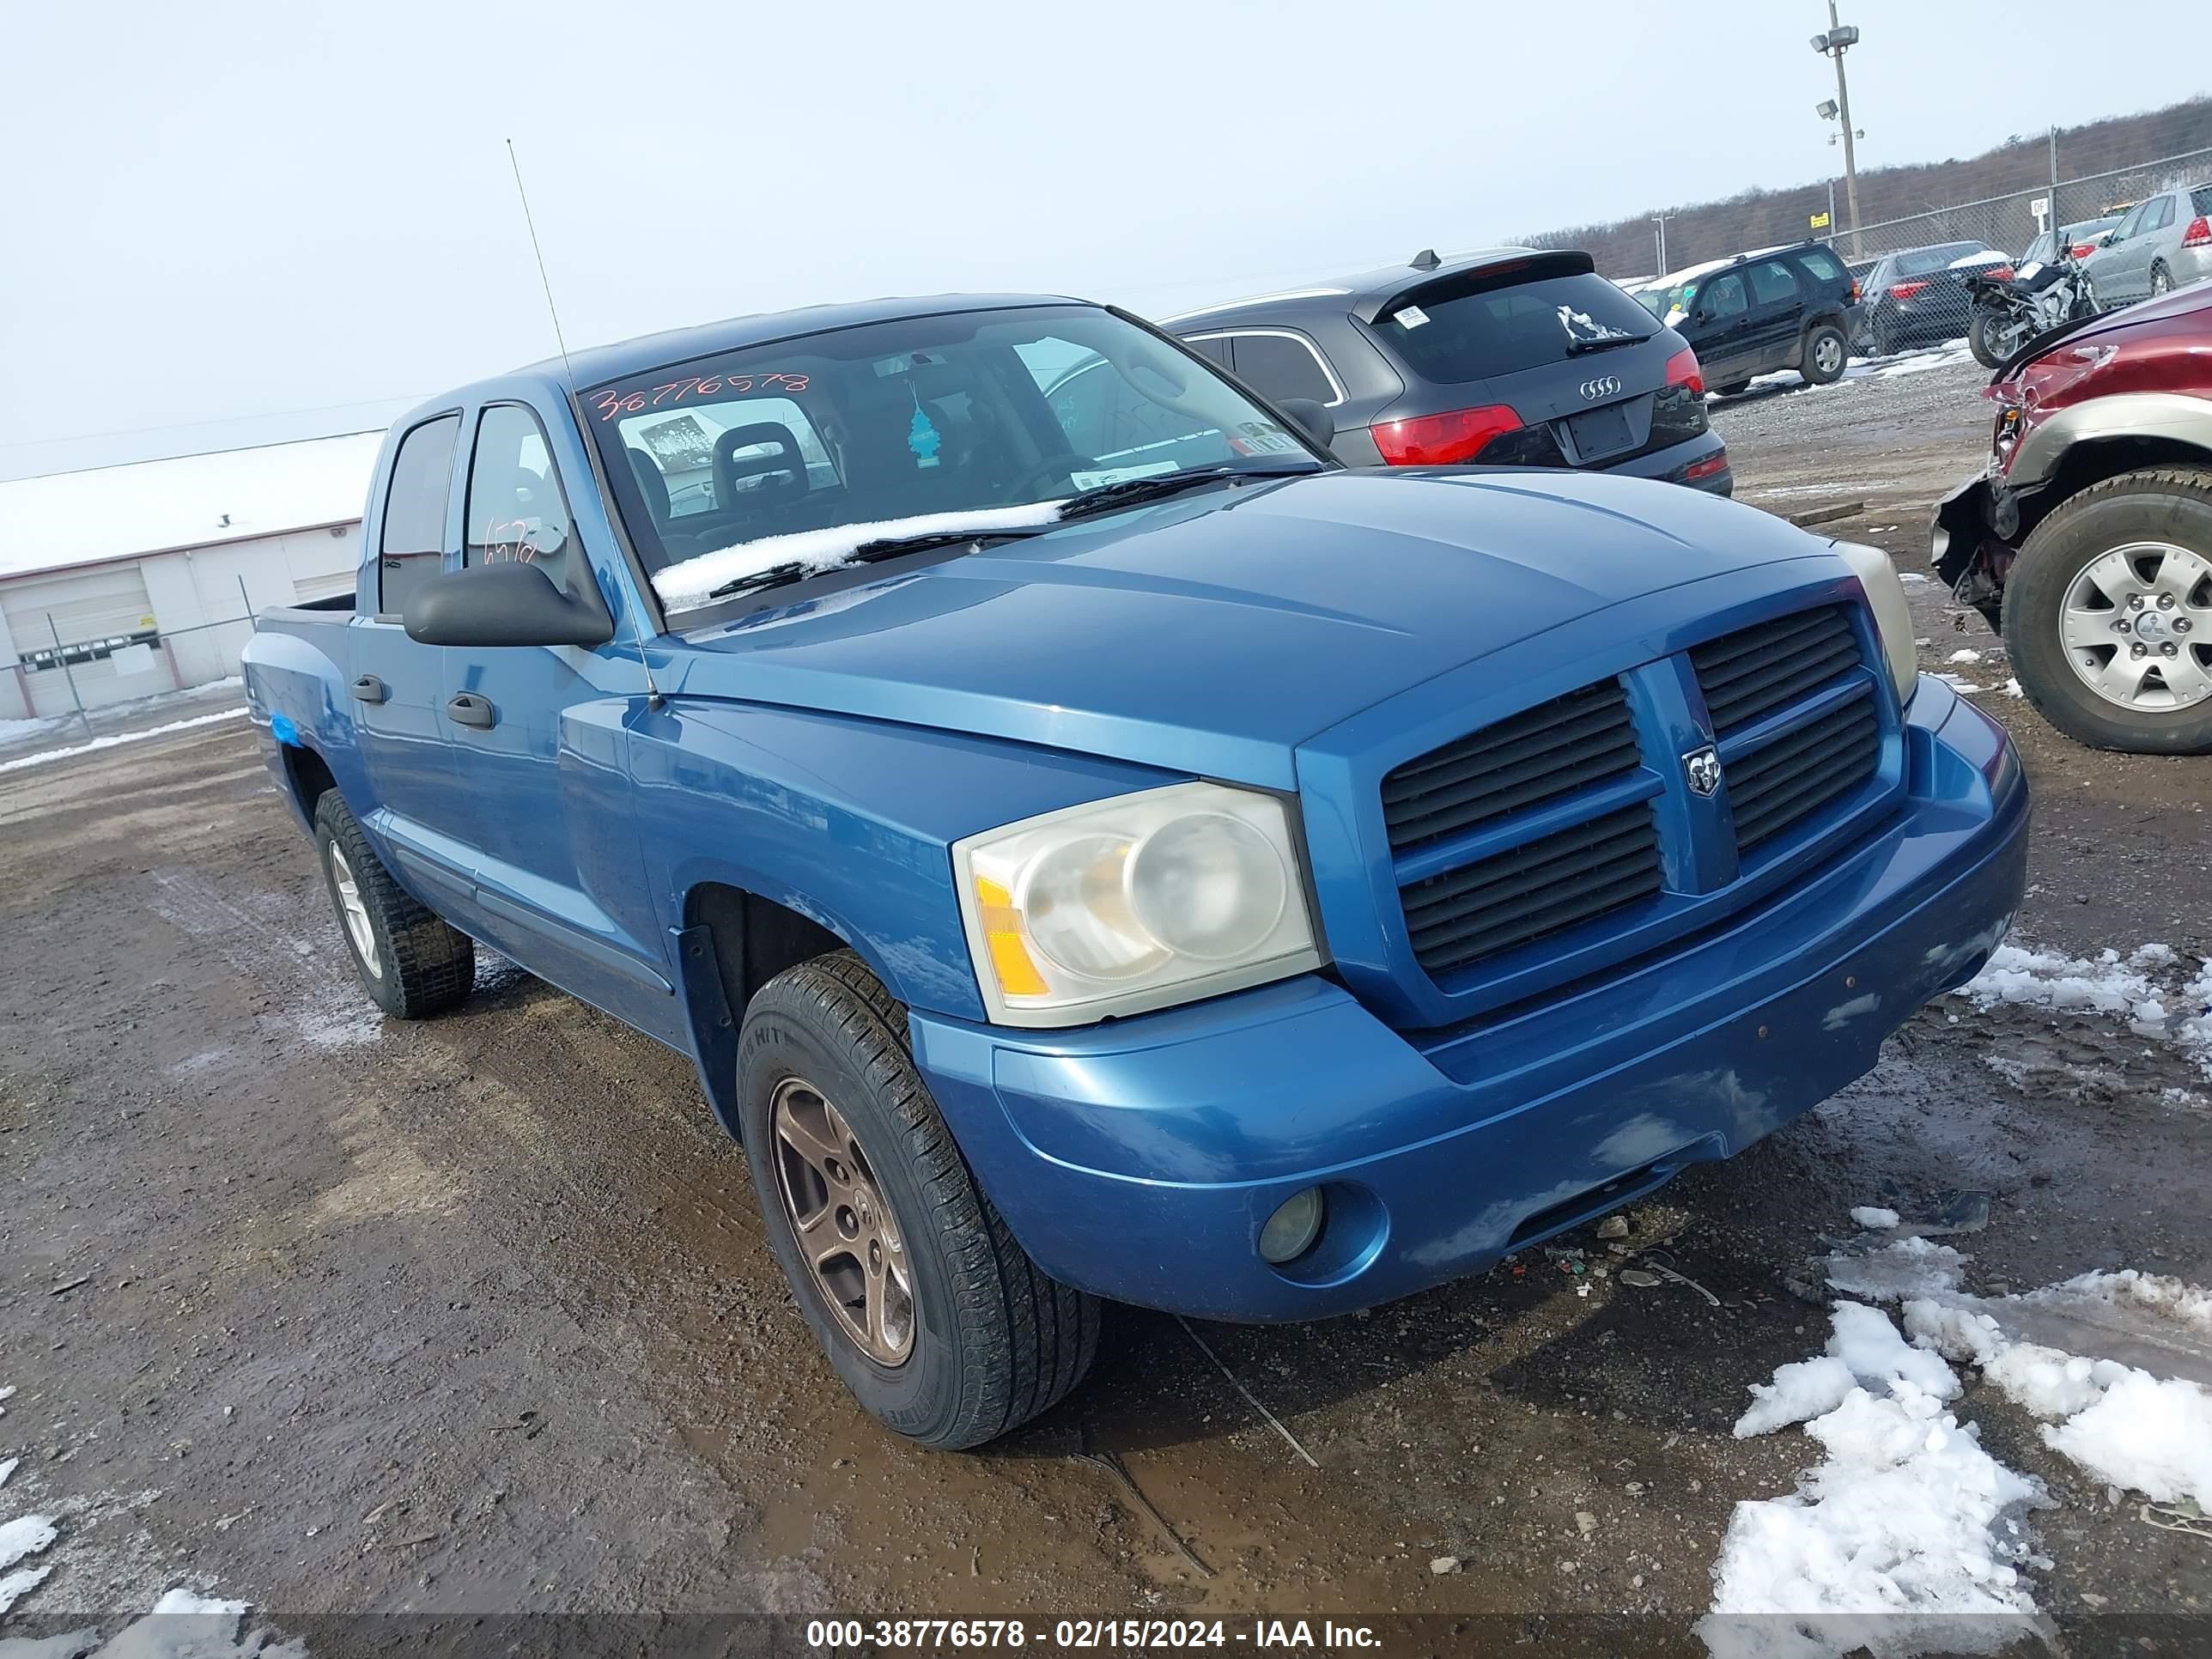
[{"x": 2087, "y": 539}]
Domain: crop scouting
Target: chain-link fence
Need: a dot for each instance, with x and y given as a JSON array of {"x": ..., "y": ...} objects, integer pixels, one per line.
[
  {"x": 77, "y": 678},
  {"x": 1910, "y": 269}
]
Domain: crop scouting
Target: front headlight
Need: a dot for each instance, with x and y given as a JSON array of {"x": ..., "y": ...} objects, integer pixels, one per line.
[
  {"x": 1892, "y": 618},
  {"x": 1145, "y": 900}
]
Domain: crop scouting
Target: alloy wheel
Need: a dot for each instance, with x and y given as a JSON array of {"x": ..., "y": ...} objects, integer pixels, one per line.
[
  {"x": 354, "y": 913},
  {"x": 2137, "y": 626},
  {"x": 847, "y": 1234},
  {"x": 2160, "y": 282},
  {"x": 1828, "y": 354}
]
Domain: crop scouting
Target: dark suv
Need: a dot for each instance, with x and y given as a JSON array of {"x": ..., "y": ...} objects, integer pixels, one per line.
[
  {"x": 1507, "y": 357},
  {"x": 1781, "y": 307}
]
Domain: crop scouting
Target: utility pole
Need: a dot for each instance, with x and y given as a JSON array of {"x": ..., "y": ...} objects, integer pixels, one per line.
[
  {"x": 1832, "y": 45},
  {"x": 1659, "y": 222},
  {"x": 2054, "y": 185}
]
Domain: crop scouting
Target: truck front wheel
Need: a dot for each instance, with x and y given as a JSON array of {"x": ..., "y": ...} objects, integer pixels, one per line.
[
  {"x": 937, "y": 1321},
  {"x": 2108, "y": 614},
  {"x": 408, "y": 961}
]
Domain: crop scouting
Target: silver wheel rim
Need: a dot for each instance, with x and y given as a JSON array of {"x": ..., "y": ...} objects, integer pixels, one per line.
[
  {"x": 847, "y": 1235},
  {"x": 2137, "y": 627},
  {"x": 354, "y": 914},
  {"x": 1828, "y": 354}
]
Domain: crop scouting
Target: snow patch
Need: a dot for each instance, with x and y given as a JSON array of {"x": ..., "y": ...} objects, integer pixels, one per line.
[
  {"x": 1906, "y": 1538},
  {"x": 2123, "y": 1425},
  {"x": 2141, "y": 988},
  {"x": 48, "y": 756},
  {"x": 1906, "y": 1268},
  {"x": 691, "y": 583},
  {"x": 1874, "y": 1217},
  {"x": 27, "y": 1534},
  {"x": 1963, "y": 656}
]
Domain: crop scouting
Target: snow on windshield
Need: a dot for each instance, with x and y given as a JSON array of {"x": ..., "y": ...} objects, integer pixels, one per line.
[
  {"x": 691, "y": 583},
  {"x": 1581, "y": 327}
]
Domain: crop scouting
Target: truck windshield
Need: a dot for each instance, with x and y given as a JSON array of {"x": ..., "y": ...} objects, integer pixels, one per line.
[{"x": 787, "y": 458}]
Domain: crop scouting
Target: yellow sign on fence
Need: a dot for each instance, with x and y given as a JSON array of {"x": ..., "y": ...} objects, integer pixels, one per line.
[{"x": 1820, "y": 220}]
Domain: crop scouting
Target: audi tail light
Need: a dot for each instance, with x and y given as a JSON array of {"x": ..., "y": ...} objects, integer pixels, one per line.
[
  {"x": 1706, "y": 468},
  {"x": 1458, "y": 434},
  {"x": 1682, "y": 370},
  {"x": 2199, "y": 233},
  {"x": 1904, "y": 290}
]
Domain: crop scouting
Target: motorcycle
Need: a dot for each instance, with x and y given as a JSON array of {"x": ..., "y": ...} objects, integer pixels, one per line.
[{"x": 2012, "y": 308}]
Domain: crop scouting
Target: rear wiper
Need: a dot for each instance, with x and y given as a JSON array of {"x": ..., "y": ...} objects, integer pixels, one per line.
[
  {"x": 886, "y": 547},
  {"x": 1576, "y": 347},
  {"x": 1162, "y": 485}
]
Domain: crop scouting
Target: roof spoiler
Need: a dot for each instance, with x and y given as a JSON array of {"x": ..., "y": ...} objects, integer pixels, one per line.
[{"x": 1474, "y": 279}]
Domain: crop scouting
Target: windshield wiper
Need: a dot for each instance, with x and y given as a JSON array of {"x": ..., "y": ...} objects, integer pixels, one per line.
[
  {"x": 886, "y": 547},
  {"x": 1576, "y": 347},
  {"x": 1162, "y": 485}
]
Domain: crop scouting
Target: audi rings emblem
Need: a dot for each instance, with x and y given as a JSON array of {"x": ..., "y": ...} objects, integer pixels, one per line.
[{"x": 1606, "y": 386}]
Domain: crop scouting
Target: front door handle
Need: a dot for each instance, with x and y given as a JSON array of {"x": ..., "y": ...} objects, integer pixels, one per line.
[
  {"x": 466, "y": 708},
  {"x": 369, "y": 688}
]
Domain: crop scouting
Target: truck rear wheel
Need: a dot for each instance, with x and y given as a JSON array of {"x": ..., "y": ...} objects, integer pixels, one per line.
[
  {"x": 1824, "y": 356},
  {"x": 934, "y": 1317},
  {"x": 408, "y": 961},
  {"x": 2108, "y": 614}
]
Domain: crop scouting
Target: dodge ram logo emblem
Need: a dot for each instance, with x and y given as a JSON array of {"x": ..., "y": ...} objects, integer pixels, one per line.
[
  {"x": 1702, "y": 769},
  {"x": 1605, "y": 386}
]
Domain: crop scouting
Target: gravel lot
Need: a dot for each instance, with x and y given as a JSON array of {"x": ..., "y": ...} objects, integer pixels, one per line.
[{"x": 474, "y": 1314}]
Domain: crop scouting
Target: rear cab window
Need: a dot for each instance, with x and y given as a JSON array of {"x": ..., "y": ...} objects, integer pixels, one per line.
[
  {"x": 410, "y": 547},
  {"x": 1477, "y": 325}
]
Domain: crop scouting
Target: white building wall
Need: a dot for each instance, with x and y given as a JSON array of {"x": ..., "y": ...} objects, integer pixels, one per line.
[{"x": 202, "y": 600}]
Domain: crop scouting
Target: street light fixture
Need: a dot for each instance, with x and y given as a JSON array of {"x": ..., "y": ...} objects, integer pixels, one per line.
[{"x": 1833, "y": 43}]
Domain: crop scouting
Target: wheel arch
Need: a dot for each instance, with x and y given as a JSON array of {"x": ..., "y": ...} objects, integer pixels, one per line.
[
  {"x": 733, "y": 941},
  {"x": 2098, "y": 456}
]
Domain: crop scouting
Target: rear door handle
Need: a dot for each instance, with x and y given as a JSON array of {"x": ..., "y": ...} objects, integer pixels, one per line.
[
  {"x": 369, "y": 688},
  {"x": 466, "y": 708}
]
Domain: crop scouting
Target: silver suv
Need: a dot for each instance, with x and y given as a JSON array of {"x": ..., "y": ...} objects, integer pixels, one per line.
[{"x": 2165, "y": 242}]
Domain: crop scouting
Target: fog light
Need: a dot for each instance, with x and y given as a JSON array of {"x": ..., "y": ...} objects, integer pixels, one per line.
[{"x": 1291, "y": 1232}]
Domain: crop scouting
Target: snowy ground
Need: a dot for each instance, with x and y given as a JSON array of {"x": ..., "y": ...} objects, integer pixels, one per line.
[{"x": 39, "y": 741}]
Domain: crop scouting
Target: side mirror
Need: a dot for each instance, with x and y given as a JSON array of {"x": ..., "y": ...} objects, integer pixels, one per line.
[
  {"x": 506, "y": 604},
  {"x": 1311, "y": 418}
]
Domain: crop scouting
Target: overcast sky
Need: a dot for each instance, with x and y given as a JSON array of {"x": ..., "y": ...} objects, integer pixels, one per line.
[{"x": 225, "y": 209}]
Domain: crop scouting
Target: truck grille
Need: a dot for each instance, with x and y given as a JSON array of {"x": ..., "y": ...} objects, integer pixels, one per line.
[
  {"x": 1538, "y": 756},
  {"x": 1542, "y": 887},
  {"x": 1798, "y": 774},
  {"x": 1553, "y": 818},
  {"x": 1756, "y": 670}
]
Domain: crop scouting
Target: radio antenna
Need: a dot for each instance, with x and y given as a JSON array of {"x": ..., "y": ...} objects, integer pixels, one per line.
[
  {"x": 552, "y": 310},
  {"x": 654, "y": 700}
]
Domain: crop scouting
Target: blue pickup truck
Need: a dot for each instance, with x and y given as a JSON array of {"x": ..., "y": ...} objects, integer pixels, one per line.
[{"x": 1095, "y": 845}]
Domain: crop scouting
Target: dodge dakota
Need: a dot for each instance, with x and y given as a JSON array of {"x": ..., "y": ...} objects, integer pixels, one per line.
[{"x": 1094, "y": 845}]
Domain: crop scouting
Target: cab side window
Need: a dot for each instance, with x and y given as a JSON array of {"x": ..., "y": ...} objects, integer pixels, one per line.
[
  {"x": 1773, "y": 283},
  {"x": 1724, "y": 298},
  {"x": 516, "y": 510},
  {"x": 411, "y": 544},
  {"x": 1279, "y": 365}
]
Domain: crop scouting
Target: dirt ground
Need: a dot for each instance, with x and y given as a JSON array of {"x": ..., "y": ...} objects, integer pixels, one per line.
[{"x": 474, "y": 1314}]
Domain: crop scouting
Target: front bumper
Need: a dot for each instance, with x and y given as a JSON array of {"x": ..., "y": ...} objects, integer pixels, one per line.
[{"x": 1139, "y": 1158}]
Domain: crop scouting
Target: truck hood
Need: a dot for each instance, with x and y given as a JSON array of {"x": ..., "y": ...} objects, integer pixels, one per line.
[{"x": 1213, "y": 633}]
